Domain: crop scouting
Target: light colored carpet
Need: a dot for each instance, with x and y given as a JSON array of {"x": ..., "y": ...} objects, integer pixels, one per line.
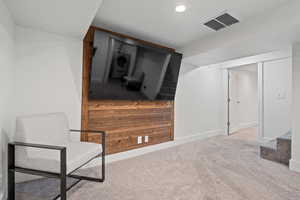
[
  {"x": 218, "y": 168},
  {"x": 248, "y": 134}
]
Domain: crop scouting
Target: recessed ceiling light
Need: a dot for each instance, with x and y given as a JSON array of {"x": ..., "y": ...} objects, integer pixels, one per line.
[{"x": 180, "y": 8}]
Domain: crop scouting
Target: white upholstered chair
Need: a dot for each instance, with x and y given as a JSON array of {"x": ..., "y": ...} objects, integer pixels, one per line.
[{"x": 43, "y": 147}]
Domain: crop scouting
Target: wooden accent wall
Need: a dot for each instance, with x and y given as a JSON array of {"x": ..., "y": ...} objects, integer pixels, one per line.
[
  {"x": 123, "y": 121},
  {"x": 87, "y": 61}
]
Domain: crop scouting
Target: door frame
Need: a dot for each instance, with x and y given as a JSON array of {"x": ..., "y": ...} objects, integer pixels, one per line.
[
  {"x": 259, "y": 59},
  {"x": 260, "y": 95},
  {"x": 228, "y": 102}
]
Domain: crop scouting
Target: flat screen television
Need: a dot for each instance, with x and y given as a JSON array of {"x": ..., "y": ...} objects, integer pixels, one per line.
[{"x": 125, "y": 69}]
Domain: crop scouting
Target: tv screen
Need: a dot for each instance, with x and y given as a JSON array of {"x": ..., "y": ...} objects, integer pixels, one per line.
[{"x": 123, "y": 69}]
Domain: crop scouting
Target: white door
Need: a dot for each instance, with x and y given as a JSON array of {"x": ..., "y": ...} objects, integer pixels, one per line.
[
  {"x": 234, "y": 102},
  {"x": 243, "y": 95}
]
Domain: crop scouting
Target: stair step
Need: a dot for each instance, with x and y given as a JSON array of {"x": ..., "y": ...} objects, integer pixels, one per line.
[
  {"x": 287, "y": 136},
  {"x": 271, "y": 144},
  {"x": 278, "y": 150},
  {"x": 268, "y": 153}
]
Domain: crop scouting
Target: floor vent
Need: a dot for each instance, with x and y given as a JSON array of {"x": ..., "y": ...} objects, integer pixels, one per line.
[{"x": 221, "y": 22}]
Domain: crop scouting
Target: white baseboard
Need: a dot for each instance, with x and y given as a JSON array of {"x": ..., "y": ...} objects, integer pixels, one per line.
[
  {"x": 243, "y": 126},
  {"x": 149, "y": 149},
  {"x": 198, "y": 136},
  {"x": 294, "y": 165}
]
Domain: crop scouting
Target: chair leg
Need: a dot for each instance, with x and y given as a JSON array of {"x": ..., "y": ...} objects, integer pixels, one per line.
[
  {"x": 11, "y": 172},
  {"x": 103, "y": 156},
  {"x": 11, "y": 185},
  {"x": 103, "y": 167},
  {"x": 63, "y": 188},
  {"x": 63, "y": 175}
]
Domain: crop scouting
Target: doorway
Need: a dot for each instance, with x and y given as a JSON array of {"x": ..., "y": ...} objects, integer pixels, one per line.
[{"x": 243, "y": 102}]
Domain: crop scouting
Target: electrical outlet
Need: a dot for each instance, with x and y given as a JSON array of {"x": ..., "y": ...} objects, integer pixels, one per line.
[
  {"x": 146, "y": 138},
  {"x": 139, "y": 139}
]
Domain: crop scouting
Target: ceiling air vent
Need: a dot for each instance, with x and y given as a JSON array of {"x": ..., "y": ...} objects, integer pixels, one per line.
[
  {"x": 214, "y": 24},
  {"x": 221, "y": 21},
  {"x": 227, "y": 19}
]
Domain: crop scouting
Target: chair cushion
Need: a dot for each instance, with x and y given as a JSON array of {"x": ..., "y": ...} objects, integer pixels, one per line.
[
  {"x": 78, "y": 153},
  {"x": 52, "y": 128}
]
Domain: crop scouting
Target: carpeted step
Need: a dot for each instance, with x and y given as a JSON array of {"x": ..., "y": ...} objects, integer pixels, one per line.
[
  {"x": 270, "y": 144},
  {"x": 284, "y": 144},
  {"x": 287, "y": 136},
  {"x": 278, "y": 150},
  {"x": 268, "y": 150}
]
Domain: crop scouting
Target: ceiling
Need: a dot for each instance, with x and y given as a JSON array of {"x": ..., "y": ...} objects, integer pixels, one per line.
[
  {"x": 268, "y": 32},
  {"x": 157, "y": 21},
  {"x": 66, "y": 17}
]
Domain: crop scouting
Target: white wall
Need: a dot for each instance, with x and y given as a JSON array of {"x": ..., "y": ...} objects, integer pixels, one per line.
[
  {"x": 48, "y": 74},
  {"x": 248, "y": 98},
  {"x": 6, "y": 85},
  {"x": 277, "y": 97},
  {"x": 244, "y": 105},
  {"x": 6, "y": 65},
  {"x": 200, "y": 105},
  {"x": 66, "y": 17},
  {"x": 295, "y": 161},
  {"x": 39, "y": 72},
  {"x": 199, "y": 102}
]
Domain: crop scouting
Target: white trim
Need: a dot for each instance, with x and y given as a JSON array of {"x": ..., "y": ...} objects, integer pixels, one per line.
[
  {"x": 275, "y": 55},
  {"x": 259, "y": 60},
  {"x": 153, "y": 148},
  {"x": 199, "y": 136},
  {"x": 243, "y": 126},
  {"x": 260, "y": 85},
  {"x": 226, "y": 105},
  {"x": 248, "y": 125},
  {"x": 294, "y": 165},
  {"x": 259, "y": 123}
]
